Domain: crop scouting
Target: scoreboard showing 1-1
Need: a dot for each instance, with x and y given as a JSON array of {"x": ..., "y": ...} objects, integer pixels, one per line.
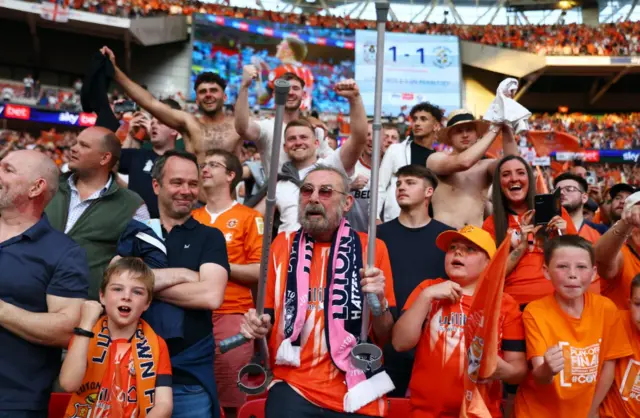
[{"x": 417, "y": 68}]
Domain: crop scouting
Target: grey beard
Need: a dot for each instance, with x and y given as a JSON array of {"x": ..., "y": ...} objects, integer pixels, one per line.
[{"x": 322, "y": 226}]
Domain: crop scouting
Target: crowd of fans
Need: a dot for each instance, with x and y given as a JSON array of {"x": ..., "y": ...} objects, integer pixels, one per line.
[
  {"x": 103, "y": 231},
  {"x": 615, "y": 39}
]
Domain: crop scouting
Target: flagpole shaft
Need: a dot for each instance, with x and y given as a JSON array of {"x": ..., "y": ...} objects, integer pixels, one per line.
[{"x": 371, "y": 301}]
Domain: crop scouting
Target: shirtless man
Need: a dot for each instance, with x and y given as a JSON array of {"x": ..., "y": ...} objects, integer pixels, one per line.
[
  {"x": 212, "y": 130},
  {"x": 464, "y": 175}
]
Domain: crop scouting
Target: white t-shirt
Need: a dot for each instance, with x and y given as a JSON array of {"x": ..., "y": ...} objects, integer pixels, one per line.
[
  {"x": 288, "y": 194},
  {"x": 358, "y": 216},
  {"x": 265, "y": 145}
]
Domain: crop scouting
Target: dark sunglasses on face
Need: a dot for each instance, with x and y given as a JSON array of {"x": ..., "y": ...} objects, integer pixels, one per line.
[{"x": 325, "y": 192}]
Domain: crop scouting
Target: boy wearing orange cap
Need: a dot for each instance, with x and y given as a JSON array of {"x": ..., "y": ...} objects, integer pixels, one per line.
[
  {"x": 573, "y": 338},
  {"x": 434, "y": 321}
]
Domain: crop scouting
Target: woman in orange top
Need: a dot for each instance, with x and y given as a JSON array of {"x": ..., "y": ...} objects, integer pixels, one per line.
[
  {"x": 513, "y": 197},
  {"x": 623, "y": 399}
]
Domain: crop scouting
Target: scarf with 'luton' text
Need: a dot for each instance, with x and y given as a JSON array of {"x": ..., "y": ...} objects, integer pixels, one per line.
[
  {"x": 101, "y": 394},
  {"x": 342, "y": 316}
]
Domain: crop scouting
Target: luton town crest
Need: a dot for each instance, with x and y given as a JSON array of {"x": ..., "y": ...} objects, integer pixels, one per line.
[
  {"x": 474, "y": 357},
  {"x": 369, "y": 53},
  {"x": 82, "y": 411}
]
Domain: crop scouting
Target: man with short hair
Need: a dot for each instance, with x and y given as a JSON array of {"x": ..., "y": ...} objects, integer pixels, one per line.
[
  {"x": 242, "y": 228},
  {"x": 301, "y": 146},
  {"x": 195, "y": 281},
  {"x": 425, "y": 123},
  {"x": 137, "y": 163},
  {"x": 43, "y": 282},
  {"x": 261, "y": 132},
  {"x": 573, "y": 197},
  {"x": 90, "y": 207},
  {"x": 390, "y": 136},
  {"x": 315, "y": 302},
  {"x": 411, "y": 241},
  {"x": 213, "y": 129},
  {"x": 464, "y": 174}
]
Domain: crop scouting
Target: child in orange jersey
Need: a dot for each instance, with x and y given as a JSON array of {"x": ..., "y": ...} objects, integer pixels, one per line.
[
  {"x": 116, "y": 365},
  {"x": 623, "y": 399},
  {"x": 573, "y": 338},
  {"x": 434, "y": 322}
]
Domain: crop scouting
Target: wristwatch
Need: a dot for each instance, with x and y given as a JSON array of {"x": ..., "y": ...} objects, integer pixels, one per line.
[
  {"x": 83, "y": 332},
  {"x": 386, "y": 306}
]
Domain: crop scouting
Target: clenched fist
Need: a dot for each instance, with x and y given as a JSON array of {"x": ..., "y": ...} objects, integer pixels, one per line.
[
  {"x": 249, "y": 73},
  {"x": 554, "y": 360},
  {"x": 448, "y": 290},
  {"x": 89, "y": 314},
  {"x": 347, "y": 88}
]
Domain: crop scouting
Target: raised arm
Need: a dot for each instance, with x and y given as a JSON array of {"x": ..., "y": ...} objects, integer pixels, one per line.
[
  {"x": 176, "y": 119},
  {"x": 384, "y": 178},
  {"x": 352, "y": 149},
  {"x": 247, "y": 128},
  {"x": 444, "y": 164},
  {"x": 509, "y": 147}
]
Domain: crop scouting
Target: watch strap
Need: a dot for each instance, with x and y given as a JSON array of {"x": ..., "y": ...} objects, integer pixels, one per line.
[{"x": 83, "y": 332}]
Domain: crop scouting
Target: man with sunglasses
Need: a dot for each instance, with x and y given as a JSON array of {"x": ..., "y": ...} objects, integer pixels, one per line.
[
  {"x": 315, "y": 297},
  {"x": 242, "y": 228},
  {"x": 301, "y": 146}
]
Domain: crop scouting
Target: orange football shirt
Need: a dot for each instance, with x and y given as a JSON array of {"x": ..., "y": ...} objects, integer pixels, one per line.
[
  {"x": 587, "y": 342},
  {"x": 242, "y": 228},
  {"x": 619, "y": 288},
  {"x": 623, "y": 400},
  {"x": 317, "y": 379},
  {"x": 441, "y": 360}
]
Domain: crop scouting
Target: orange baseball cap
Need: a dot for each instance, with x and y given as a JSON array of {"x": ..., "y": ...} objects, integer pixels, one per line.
[{"x": 477, "y": 236}]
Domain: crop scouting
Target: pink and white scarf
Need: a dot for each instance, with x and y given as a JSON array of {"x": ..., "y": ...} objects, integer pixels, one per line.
[{"x": 343, "y": 316}]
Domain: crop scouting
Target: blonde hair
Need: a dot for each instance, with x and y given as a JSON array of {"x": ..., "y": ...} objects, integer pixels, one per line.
[{"x": 136, "y": 267}]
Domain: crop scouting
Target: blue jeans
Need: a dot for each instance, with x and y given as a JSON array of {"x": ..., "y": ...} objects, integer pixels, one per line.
[
  {"x": 23, "y": 414},
  {"x": 190, "y": 401}
]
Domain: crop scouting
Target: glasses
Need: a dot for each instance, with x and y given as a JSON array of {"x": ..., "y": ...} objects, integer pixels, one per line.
[
  {"x": 569, "y": 189},
  {"x": 324, "y": 192},
  {"x": 212, "y": 165}
]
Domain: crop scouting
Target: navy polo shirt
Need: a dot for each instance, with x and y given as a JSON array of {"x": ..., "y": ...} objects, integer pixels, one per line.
[
  {"x": 191, "y": 245},
  {"x": 40, "y": 262},
  {"x": 137, "y": 164}
]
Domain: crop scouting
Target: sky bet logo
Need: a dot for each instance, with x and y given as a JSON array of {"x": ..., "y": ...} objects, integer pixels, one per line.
[
  {"x": 67, "y": 117},
  {"x": 631, "y": 156}
]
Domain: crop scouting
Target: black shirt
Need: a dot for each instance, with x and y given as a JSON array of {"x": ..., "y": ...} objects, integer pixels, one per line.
[
  {"x": 419, "y": 154},
  {"x": 137, "y": 163},
  {"x": 191, "y": 245}
]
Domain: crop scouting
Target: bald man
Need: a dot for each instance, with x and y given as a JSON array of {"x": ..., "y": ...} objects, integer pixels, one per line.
[
  {"x": 43, "y": 282},
  {"x": 90, "y": 206}
]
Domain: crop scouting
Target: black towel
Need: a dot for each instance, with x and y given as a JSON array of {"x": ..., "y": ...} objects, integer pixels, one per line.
[{"x": 94, "y": 96}]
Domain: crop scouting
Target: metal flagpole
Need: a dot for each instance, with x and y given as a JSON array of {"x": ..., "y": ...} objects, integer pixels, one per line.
[
  {"x": 368, "y": 356},
  {"x": 281, "y": 93}
]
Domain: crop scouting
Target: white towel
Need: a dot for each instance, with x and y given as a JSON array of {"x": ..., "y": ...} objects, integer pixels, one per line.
[{"x": 504, "y": 109}]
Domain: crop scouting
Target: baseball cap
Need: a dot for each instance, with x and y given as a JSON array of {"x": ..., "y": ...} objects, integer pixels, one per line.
[
  {"x": 477, "y": 236},
  {"x": 621, "y": 187}
]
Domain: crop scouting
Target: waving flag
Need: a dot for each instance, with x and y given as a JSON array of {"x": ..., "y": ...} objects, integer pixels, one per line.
[{"x": 481, "y": 334}]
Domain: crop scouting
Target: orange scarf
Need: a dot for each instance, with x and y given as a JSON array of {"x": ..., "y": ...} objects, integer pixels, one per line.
[{"x": 97, "y": 397}]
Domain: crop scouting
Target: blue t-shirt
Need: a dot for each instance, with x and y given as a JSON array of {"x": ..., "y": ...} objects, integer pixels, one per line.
[
  {"x": 42, "y": 261},
  {"x": 137, "y": 164}
]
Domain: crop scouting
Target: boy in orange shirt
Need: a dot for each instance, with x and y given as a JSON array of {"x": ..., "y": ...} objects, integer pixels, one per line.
[
  {"x": 434, "y": 321},
  {"x": 242, "y": 227},
  {"x": 116, "y": 365},
  {"x": 573, "y": 338},
  {"x": 623, "y": 399}
]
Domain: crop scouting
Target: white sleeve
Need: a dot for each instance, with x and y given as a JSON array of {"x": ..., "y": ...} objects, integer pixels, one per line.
[
  {"x": 384, "y": 177},
  {"x": 287, "y": 203},
  {"x": 265, "y": 140},
  {"x": 335, "y": 161}
]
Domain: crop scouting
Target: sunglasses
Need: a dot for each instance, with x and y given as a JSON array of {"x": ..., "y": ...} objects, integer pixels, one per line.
[{"x": 324, "y": 192}]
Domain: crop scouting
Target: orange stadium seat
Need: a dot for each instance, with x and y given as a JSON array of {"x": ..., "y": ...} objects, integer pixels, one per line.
[{"x": 253, "y": 409}]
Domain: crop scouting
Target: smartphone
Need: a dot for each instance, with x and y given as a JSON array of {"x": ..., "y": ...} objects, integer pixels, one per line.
[
  {"x": 547, "y": 206},
  {"x": 125, "y": 107},
  {"x": 592, "y": 179}
]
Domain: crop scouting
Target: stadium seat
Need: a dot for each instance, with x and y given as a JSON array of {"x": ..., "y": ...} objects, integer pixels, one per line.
[
  {"x": 58, "y": 404},
  {"x": 399, "y": 408},
  {"x": 252, "y": 409}
]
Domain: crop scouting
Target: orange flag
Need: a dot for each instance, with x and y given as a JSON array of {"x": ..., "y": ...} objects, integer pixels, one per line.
[
  {"x": 541, "y": 184},
  {"x": 481, "y": 334}
]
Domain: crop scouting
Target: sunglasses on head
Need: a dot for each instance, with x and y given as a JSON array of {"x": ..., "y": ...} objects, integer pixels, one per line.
[{"x": 325, "y": 192}]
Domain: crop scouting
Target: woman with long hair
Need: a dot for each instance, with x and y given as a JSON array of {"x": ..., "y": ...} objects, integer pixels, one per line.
[{"x": 513, "y": 204}]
